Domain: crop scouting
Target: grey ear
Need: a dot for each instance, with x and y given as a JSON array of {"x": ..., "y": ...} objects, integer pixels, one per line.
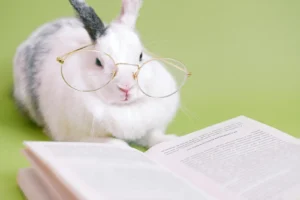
[{"x": 89, "y": 18}]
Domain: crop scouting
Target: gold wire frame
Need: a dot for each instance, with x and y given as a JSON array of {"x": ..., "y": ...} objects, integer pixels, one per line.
[{"x": 61, "y": 60}]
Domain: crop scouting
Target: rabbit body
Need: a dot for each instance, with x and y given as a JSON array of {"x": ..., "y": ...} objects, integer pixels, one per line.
[{"x": 70, "y": 115}]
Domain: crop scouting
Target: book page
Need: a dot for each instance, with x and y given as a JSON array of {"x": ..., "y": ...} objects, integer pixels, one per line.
[
  {"x": 242, "y": 158},
  {"x": 47, "y": 178},
  {"x": 102, "y": 171},
  {"x": 33, "y": 187}
]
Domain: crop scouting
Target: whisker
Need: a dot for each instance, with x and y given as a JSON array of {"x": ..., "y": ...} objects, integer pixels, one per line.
[
  {"x": 92, "y": 131},
  {"x": 191, "y": 116}
]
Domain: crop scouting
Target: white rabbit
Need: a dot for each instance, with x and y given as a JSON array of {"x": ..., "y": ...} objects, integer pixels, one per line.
[{"x": 119, "y": 109}]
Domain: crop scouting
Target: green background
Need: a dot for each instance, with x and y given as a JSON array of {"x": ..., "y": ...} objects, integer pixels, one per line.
[{"x": 244, "y": 56}]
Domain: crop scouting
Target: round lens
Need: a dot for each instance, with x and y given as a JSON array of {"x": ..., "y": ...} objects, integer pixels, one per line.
[
  {"x": 161, "y": 77},
  {"x": 85, "y": 70}
]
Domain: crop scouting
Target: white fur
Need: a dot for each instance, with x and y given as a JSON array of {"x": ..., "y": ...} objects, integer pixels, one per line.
[{"x": 69, "y": 115}]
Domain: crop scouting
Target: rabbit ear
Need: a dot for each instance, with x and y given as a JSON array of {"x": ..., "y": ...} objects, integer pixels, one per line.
[
  {"x": 130, "y": 12},
  {"x": 89, "y": 18}
]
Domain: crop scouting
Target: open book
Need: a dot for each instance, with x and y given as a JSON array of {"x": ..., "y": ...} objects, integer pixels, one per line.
[{"x": 239, "y": 159}]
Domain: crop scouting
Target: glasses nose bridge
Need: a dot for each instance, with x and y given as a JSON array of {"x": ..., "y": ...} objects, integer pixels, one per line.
[{"x": 134, "y": 74}]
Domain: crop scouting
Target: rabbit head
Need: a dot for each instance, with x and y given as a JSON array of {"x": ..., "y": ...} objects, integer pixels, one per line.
[{"x": 121, "y": 53}]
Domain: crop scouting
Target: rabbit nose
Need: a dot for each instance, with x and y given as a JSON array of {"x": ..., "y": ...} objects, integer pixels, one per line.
[{"x": 124, "y": 89}]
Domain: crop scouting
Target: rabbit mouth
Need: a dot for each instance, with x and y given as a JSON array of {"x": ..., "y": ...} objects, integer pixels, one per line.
[
  {"x": 126, "y": 98},
  {"x": 120, "y": 99}
]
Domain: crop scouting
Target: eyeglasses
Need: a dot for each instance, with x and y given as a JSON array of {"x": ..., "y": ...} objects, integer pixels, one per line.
[{"x": 82, "y": 70}]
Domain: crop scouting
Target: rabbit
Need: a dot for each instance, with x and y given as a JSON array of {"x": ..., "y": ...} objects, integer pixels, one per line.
[{"x": 104, "y": 115}]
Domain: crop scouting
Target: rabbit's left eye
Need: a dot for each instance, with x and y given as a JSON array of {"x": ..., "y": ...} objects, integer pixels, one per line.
[{"x": 98, "y": 62}]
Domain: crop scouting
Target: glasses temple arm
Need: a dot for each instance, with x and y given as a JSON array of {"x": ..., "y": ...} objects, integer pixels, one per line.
[
  {"x": 187, "y": 72},
  {"x": 181, "y": 69},
  {"x": 62, "y": 58}
]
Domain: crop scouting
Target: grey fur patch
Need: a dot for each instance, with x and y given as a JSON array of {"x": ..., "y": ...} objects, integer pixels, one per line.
[
  {"x": 32, "y": 56},
  {"x": 21, "y": 108},
  {"x": 89, "y": 18},
  {"x": 35, "y": 53}
]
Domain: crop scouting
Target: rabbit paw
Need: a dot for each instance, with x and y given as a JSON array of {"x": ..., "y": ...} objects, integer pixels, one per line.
[
  {"x": 154, "y": 138},
  {"x": 105, "y": 140}
]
